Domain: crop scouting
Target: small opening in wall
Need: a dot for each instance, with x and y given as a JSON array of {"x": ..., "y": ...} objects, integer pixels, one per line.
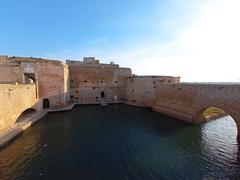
[
  {"x": 93, "y": 87},
  {"x": 76, "y": 91},
  {"x": 85, "y": 81},
  {"x": 102, "y": 94},
  {"x": 71, "y": 97},
  {"x": 169, "y": 81},
  {"x": 110, "y": 87},
  {"x": 162, "y": 80},
  {"x": 76, "y": 97},
  {"x": 96, "y": 97},
  {"x": 46, "y": 103},
  {"x": 132, "y": 90},
  {"x": 116, "y": 81},
  {"x": 101, "y": 81},
  {"x": 154, "y": 87},
  {"x": 71, "y": 80}
]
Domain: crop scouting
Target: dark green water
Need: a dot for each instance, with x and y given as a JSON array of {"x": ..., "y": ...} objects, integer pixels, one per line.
[{"x": 121, "y": 142}]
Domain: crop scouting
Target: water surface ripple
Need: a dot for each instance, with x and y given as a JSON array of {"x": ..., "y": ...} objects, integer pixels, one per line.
[{"x": 122, "y": 142}]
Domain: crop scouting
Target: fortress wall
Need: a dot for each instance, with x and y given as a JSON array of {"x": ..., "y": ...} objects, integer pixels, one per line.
[
  {"x": 121, "y": 82},
  {"x": 187, "y": 101},
  {"x": 52, "y": 82},
  {"x": 87, "y": 81},
  {"x": 10, "y": 73},
  {"x": 141, "y": 89},
  {"x": 14, "y": 99},
  {"x": 51, "y": 77}
]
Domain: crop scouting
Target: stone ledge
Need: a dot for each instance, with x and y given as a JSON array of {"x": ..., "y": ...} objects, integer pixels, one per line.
[{"x": 18, "y": 128}]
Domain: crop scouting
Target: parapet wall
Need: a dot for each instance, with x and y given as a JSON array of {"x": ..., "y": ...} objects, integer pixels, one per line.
[
  {"x": 141, "y": 89},
  {"x": 187, "y": 101},
  {"x": 14, "y": 99},
  {"x": 10, "y": 73}
]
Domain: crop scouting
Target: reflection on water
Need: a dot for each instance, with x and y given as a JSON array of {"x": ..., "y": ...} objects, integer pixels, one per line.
[
  {"x": 219, "y": 146},
  {"x": 122, "y": 142}
]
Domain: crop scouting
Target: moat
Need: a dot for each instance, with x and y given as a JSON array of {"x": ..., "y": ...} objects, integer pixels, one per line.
[{"x": 121, "y": 142}]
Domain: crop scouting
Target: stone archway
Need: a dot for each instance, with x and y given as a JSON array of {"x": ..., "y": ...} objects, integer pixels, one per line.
[
  {"x": 208, "y": 114},
  {"x": 212, "y": 113},
  {"x": 26, "y": 113}
]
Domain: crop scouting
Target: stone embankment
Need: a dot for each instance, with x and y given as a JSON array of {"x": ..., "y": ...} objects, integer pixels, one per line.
[
  {"x": 19, "y": 127},
  {"x": 27, "y": 121}
]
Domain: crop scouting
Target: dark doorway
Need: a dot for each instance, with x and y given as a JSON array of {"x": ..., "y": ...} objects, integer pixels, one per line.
[
  {"x": 46, "y": 103},
  {"x": 102, "y": 94},
  {"x": 29, "y": 78}
]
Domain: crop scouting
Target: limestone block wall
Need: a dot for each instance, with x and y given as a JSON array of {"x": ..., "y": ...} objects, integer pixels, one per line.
[
  {"x": 120, "y": 84},
  {"x": 52, "y": 82},
  {"x": 95, "y": 83},
  {"x": 10, "y": 73},
  {"x": 187, "y": 101},
  {"x": 14, "y": 99},
  {"x": 51, "y": 77},
  {"x": 141, "y": 89}
]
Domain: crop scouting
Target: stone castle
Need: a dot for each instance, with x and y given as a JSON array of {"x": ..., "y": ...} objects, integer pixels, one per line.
[{"x": 42, "y": 85}]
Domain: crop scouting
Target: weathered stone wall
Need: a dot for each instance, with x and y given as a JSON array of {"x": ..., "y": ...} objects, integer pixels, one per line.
[
  {"x": 14, "y": 99},
  {"x": 10, "y": 73},
  {"x": 88, "y": 81},
  {"x": 51, "y": 77},
  {"x": 52, "y": 82},
  {"x": 141, "y": 89},
  {"x": 188, "y": 101}
]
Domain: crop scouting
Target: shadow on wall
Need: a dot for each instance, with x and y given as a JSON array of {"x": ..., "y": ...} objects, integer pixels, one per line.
[{"x": 26, "y": 113}]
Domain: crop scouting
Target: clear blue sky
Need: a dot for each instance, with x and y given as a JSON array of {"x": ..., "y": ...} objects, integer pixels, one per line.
[
  {"x": 33, "y": 27},
  {"x": 185, "y": 38}
]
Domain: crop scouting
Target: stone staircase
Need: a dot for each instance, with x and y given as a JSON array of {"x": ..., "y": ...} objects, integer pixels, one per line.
[{"x": 104, "y": 103}]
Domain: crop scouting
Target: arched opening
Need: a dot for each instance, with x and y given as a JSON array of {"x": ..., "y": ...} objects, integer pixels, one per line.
[
  {"x": 46, "y": 104},
  {"x": 219, "y": 134},
  {"x": 209, "y": 114},
  {"x": 102, "y": 94},
  {"x": 25, "y": 114},
  {"x": 213, "y": 113}
]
